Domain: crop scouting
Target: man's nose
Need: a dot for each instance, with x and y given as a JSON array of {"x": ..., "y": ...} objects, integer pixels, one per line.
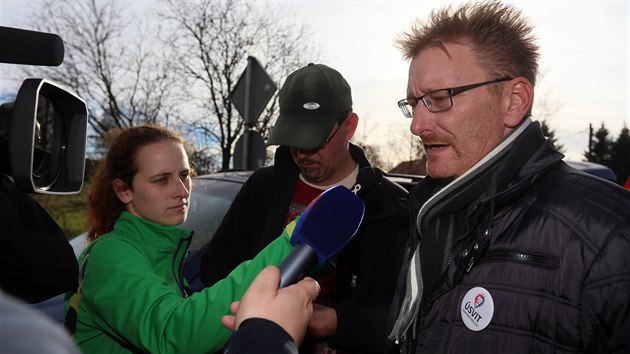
[{"x": 422, "y": 120}]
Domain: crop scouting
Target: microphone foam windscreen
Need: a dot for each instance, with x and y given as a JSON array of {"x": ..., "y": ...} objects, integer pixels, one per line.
[{"x": 329, "y": 222}]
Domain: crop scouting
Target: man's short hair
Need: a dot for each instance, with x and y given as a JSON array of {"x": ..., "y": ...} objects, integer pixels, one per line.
[{"x": 499, "y": 35}]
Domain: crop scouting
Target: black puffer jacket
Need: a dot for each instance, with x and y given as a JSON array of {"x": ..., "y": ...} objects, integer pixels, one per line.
[
  {"x": 367, "y": 267},
  {"x": 549, "y": 245}
]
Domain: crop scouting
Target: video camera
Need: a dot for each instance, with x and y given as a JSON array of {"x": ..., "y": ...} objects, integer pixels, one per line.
[{"x": 43, "y": 132}]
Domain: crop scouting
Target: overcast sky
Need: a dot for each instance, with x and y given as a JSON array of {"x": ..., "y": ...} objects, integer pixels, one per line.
[{"x": 584, "y": 58}]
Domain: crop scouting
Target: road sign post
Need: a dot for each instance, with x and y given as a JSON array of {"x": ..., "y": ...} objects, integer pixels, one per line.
[
  {"x": 253, "y": 141},
  {"x": 252, "y": 92}
]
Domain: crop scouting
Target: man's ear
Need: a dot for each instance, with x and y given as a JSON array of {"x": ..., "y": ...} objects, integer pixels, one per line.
[
  {"x": 122, "y": 191},
  {"x": 351, "y": 123},
  {"x": 519, "y": 99}
]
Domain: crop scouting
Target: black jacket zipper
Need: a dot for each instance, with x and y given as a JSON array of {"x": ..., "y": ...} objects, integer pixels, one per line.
[{"x": 537, "y": 260}]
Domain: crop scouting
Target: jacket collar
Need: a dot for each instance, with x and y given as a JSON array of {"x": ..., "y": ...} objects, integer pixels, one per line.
[
  {"x": 507, "y": 170},
  {"x": 156, "y": 237}
]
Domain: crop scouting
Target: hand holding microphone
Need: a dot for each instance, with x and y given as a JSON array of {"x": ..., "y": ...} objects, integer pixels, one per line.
[{"x": 289, "y": 308}]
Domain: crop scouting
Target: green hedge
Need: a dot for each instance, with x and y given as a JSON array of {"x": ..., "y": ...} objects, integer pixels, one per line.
[{"x": 69, "y": 211}]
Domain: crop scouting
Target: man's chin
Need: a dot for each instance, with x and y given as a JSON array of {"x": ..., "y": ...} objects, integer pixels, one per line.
[
  {"x": 438, "y": 170},
  {"x": 309, "y": 172}
]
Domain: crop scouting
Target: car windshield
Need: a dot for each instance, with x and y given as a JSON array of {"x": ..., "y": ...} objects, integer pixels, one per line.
[{"x": 210, "y": 200}]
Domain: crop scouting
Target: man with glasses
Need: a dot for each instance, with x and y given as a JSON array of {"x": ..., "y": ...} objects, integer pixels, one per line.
[
  {"x": 313, "y": 130},
  {"x": 513, "y": 250}
]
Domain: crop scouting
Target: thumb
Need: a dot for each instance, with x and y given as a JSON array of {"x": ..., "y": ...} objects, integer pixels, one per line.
[
  {"x": 268, "y": 278},
  {"x": 229, "y": 322},
  {"x": 311, "y": 286}
]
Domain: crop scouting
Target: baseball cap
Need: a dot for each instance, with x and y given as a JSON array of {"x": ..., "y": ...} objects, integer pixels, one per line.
[{"x": 311, "y": 101}]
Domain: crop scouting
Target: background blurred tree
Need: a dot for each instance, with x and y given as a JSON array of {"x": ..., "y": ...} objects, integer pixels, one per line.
[
  {"x": 620, "y": 155},
  {"x": 174, "y": 65},
  {"x": 372, "y": 152},
  {"x": 600, "y": 147},
  {"x": 361, "y": 138},
  {"x": 212, "y": 40},
  {"x": 402, "y": 145},
  {"x": 551, "y": 135},
  {"x": 109, "y": 61},
  {"x": 546, "y": 106}
]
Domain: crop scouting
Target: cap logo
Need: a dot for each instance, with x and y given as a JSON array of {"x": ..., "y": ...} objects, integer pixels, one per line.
[{"x": 311, "y": 105}]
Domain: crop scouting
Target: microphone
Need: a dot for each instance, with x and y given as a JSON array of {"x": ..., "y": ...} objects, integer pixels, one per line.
[
  {"x": 30, "y": 47},
  {"x": 326, "y": 225}
]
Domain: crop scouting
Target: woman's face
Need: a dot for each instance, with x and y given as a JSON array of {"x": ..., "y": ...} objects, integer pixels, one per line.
[{"x": 160, "y": 191}]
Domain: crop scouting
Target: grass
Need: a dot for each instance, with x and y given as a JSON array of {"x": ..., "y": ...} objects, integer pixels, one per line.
[{"x": 69, "y": 211}]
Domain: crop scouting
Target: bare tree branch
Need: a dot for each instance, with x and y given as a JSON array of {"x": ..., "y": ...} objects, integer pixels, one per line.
[
  {"x": 109, "y": 62},
  {"x": 176, "y": 68},
  {"x": 214, "y": 40}
]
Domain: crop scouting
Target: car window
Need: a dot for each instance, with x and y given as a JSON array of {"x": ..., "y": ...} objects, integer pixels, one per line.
[{"x": 210, "y": 200}]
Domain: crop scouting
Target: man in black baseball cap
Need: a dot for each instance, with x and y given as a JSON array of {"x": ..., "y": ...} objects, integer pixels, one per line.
[
  {"x": 313, "y": 130},
  {"x": 311, "y": 102}
]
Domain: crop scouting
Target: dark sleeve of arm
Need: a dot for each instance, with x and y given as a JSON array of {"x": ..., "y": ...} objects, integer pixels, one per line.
[
  {"x": 36, "y": 260},
  {"x": 363, "y": 327},
  {"x": 257, "y": 335}
]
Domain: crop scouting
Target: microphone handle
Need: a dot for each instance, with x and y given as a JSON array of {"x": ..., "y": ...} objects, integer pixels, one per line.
[{"x": 297, "y": 264}]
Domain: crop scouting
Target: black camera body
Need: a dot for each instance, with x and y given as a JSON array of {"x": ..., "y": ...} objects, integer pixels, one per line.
[{"x": 43, "y": 132}]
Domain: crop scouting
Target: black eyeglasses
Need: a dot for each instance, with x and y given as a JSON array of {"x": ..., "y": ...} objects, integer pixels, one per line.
[
  {"x": 322, "y": 146},
  {"x": 439, "y": 100}
]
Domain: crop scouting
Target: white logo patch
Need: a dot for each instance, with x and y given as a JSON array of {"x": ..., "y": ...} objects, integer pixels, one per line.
[
  {"x": 477, "y": 309},
  {"x": 311, "y": 105}
]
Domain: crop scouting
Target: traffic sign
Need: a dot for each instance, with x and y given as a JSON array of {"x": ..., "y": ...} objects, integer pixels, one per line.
[{"x": 252, "y": 91}]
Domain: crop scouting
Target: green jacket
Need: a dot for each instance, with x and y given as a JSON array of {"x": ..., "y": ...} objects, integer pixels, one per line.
[{"x": 132, "y": 297}]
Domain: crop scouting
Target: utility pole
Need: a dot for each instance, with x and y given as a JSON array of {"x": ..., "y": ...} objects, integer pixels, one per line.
[{"x": 590, "y": 140}]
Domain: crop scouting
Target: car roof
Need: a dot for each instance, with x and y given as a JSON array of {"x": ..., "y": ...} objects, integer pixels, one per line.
[
  {"x": 594, "y": 169},
  {"x": 231, "y": 176},
  {"x": 405, "y": 180}
]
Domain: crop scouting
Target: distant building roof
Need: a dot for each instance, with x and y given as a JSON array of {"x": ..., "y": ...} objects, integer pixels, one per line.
[
  {"x": 418, "y": 167},
  {"x": 413, "y": 167}
]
